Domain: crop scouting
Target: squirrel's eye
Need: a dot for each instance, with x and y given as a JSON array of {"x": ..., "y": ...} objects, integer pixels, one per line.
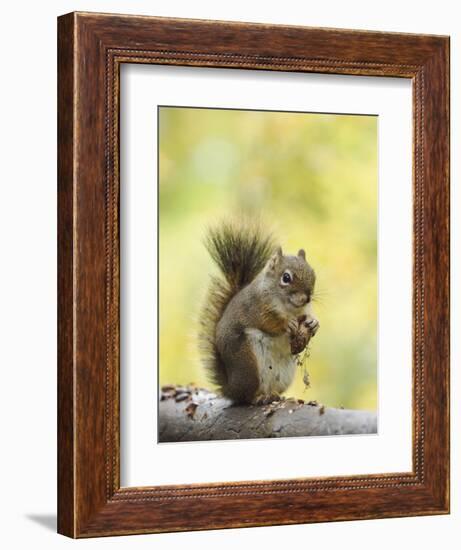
[{"x": 286, "y": 278}]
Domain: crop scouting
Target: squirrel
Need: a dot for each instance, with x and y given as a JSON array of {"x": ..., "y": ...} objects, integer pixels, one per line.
[{"x": 257, "y": 316}]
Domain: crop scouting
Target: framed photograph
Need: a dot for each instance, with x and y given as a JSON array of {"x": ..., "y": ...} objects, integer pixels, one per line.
[{"x": 253, "y": 252}]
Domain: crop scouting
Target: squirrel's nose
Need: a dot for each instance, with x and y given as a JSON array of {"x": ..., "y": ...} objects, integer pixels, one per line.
[{"x": 303, "y": 298}]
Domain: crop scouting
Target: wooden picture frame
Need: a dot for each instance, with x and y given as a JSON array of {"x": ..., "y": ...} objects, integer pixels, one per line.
[{"x": 91, "y": 48}]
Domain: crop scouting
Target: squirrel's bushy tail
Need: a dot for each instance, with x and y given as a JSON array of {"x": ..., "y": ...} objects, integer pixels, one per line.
[{"x": 240, "y": 251}]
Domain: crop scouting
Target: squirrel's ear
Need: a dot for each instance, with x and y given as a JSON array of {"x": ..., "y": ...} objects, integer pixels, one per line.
[
  {"x": 302, "y": 253},
  {"x": 276, "y": 257}
]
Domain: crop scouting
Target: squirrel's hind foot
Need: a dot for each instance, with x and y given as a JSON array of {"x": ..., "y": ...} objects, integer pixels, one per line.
[{"x": 267, "y": 399}]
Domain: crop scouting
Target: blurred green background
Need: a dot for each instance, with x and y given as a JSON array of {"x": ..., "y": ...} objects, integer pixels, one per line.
[{"x": 312, "y": 180}]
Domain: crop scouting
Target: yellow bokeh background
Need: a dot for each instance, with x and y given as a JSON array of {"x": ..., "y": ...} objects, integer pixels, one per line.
[{"x": 312, "y": 180}]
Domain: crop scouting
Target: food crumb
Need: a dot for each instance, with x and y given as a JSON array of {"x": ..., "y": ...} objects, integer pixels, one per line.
[{"x": 190, "y": 409}]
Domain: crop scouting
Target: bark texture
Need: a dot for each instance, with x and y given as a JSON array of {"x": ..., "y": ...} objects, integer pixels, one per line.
[{"x": 196, "y": 414}]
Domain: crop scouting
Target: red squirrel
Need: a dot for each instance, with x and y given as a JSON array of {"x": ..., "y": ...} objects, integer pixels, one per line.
[{"x": 257, "y": 316}]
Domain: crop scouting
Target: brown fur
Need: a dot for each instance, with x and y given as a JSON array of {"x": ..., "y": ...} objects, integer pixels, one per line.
[{"x": 249, "y": 299}]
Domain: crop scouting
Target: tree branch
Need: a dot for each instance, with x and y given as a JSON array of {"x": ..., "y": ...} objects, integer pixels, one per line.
[{"x": 195, "y": 414}]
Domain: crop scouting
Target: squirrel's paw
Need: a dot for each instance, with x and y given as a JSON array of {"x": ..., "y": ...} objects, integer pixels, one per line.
[
  {"x": 301, "y": 331},
  {"x": 312, "y": 324},
  {"x": 293, "y": 327}
]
